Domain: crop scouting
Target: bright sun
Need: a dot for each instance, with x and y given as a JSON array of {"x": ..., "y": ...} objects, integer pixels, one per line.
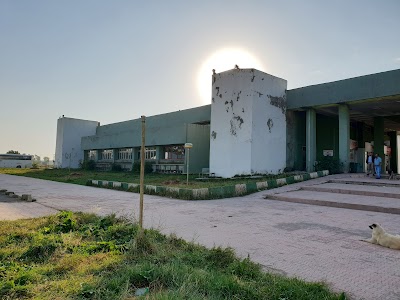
[{"x": 222, "y": 60}]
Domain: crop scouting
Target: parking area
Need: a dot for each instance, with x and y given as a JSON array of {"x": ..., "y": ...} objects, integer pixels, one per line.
[{"x": 315, "y": 243}]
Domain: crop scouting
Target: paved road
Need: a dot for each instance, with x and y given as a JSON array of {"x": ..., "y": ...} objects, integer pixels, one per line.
[{"x": 314, "y": 243}]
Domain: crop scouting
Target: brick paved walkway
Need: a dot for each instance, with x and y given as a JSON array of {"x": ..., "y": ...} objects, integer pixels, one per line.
[{"x": 314, "y": 243}]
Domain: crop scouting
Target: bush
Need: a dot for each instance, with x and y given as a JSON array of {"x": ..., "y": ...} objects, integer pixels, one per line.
[
  {"x": 330, "y": 163},
  {"x": 88, "y": 165},
  {"x": 148, "y": 167},
  {"x": 116, "y": 167}
]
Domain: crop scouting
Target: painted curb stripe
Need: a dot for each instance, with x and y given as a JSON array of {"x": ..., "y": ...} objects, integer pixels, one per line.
[{"x": 212, "y": 192}]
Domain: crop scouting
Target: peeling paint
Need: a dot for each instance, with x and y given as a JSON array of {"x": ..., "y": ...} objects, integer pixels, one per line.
[
  {"x": 220, "y": 95},
  {"x": 279, "y": 102},
  {"x": 270, "y": 124},
  {"x": 238, "y": 96},
  {"x": 242, "y": 110},
  {"x": 259, "y": 94},
  {"x": 231, "y": 103},
  {"x": 254, "y": 76},
  {"x": 217, "y": 88},
  {"x": 236, "y": 122},
  {"x": 213, "y": 100},
  {"x": 213, "y": 135},
  {"x": 226, "y": 102}
]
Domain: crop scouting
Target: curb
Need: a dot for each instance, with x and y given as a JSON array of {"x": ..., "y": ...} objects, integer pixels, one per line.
[
  {"x": 207, "y": 193},
  {"x": 24, "y": 197}
]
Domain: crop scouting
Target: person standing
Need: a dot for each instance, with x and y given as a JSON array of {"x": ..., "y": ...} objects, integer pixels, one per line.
[
  {"x": 370, "y": 163},
  {"x": 378, "y": 165}
]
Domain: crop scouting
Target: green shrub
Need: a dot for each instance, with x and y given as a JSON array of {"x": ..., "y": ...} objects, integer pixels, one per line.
[
  {"x": 88, "y": 165},
  {"x": 330, "y": 163},
  {"x": 148, "y": 167},
  {"x": 116, "y": 167}
]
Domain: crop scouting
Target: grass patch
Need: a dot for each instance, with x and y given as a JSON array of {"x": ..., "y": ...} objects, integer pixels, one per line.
[
  {"x": 84, "y": 256},
  {"x": 171, "y": 180}
]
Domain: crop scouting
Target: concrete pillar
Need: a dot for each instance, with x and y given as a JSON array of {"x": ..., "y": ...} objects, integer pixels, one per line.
[
  {"x": 311, "y": 139},
  {"x": 85, "y": 155},
  {"x": 379, "y": 132},
  {"x": 135, "y": 153},
  {"x": 393, "y": 146},
  {"x": 98, "y": 155},
  {"x": 344, "y": 136},
  {"x": 115, "y": 155},
  {"x": 159, "y": 152}
]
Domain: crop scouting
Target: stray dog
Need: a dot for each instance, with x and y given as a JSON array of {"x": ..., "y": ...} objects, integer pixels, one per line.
[
  {"x": 381, "y": 237},
  {"x": 391, "y": 174}
]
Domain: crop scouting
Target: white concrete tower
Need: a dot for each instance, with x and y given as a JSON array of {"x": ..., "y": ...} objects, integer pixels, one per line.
[
  {"x": 248, "y": 123},
  {"x": 68, "y": 143}
]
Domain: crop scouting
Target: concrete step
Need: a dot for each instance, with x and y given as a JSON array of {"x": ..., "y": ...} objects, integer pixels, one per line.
[
  {"x": 368, "y": 181},
  {"x": 366, "y": 203},
  {"x": 356, "y": 189}
]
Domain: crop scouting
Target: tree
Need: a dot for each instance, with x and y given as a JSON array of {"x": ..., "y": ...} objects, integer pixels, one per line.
[
  {"x": 36, "y": 158},
  {"x": 12, "y": 152},
  {"x": 46, "y": 161}
]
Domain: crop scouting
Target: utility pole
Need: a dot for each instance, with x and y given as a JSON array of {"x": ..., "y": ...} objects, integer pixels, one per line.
[{"x": 142, "y": 157}]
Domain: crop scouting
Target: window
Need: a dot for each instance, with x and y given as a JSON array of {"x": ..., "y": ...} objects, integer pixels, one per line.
[
  {"x": 150, "y": 153},
  {"x": 175, "y": 152},
  {"x": 125, "y": 154},
  {"x": 92, "y": 154},
  {"x": 107, "y": 155}
]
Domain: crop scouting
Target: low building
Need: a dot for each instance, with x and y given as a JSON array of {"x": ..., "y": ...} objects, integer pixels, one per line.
[{"x": 253, "y": 125}]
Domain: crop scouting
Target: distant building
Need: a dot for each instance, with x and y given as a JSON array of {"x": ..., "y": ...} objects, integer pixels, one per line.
[{"x": 253, "y": 125}]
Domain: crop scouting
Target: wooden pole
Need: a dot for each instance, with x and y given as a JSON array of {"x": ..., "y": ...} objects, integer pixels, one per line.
[{"x": 142, "y": 157}]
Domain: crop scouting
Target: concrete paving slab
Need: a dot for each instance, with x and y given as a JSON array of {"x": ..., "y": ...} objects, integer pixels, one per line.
[
  {"x": 310, "y": 242},
  {"x": 367, "y": 203},
  {"x": 366, "y": 181},
  {"x": 356, "y": 189}
]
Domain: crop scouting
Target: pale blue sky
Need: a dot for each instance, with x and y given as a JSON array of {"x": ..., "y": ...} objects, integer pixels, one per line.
[{"x": 112, "y": 61}]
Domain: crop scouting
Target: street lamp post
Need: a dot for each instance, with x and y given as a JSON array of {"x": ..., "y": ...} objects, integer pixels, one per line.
[{"x": 187, "y": 146}]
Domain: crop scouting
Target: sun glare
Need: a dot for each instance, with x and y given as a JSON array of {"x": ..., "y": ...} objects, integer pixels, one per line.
[{"x": 222, "y": 60}]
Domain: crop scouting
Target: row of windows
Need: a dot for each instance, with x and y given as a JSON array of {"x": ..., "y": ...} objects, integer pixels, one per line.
[
  {"x": 125, "y": 154},
  {"x": 15, "y": 157},
  {"x": 170, "y": 152},
  {"x": 107, "y": 154}
]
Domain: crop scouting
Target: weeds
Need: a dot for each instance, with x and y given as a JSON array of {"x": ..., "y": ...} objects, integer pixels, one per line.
[{"x": 83, "y": 256}]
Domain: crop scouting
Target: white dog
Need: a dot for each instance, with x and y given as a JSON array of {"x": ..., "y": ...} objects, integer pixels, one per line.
[{"x": 380, "y": 237}]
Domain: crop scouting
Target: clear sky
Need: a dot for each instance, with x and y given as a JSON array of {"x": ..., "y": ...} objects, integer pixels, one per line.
[{"x": 112, "y": 61}]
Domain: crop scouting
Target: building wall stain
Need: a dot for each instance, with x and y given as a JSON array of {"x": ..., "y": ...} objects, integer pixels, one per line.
[
  {"x": 213, "y": 135},
  {"x": 259, "y": 94},
  {"x": 270, "y": 124},
  {"x": 236, "y": 123},
  {"x": 238, "y": 96},
  {"x": 279, "y": 102}
]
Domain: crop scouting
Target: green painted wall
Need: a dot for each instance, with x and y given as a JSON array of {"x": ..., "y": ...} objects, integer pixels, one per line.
[
  {"x": 352, "y": 89},
  {"x": 199, "y": 136},
  {"x": 393, "y": 146},
  {"x": 165, "y": 129},
  {"x": 379, "y": 128},
  {"x": 296, "y": 139},
  {"x": 327, "y": 135}
]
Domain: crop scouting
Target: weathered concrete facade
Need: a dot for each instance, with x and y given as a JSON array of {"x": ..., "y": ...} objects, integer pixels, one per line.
[
  {"x": 254, "y": 126},
  {"x": 68, "y": 144},
  {"x": 248, "y": 123}
]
